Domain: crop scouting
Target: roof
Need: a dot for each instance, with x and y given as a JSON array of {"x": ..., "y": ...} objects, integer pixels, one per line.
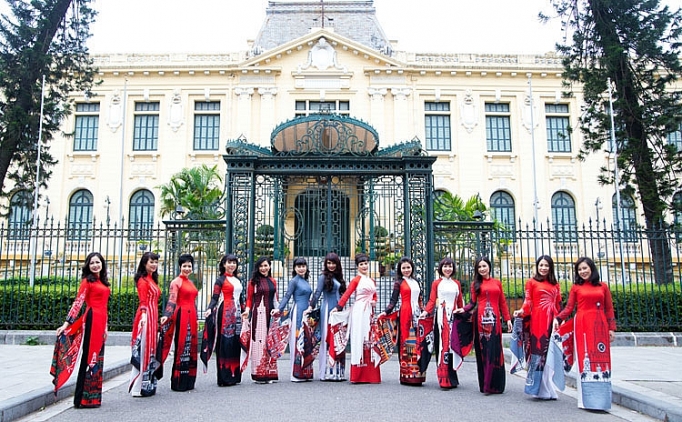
[{"x": 286, "y": 21}]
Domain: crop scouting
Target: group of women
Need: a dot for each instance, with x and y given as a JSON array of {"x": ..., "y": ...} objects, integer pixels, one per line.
[{"x": 240, "y": 327}]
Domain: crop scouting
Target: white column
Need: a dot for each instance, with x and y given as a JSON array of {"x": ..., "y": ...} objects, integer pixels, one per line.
[
  {"x": 244, "y": 111},
  {"x": 267, "y": 115},
  {"x": 401, "y": 114},
  {"x": 377, "y": 111}
]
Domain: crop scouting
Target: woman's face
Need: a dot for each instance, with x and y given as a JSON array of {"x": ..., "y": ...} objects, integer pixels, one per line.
[
  {"x": 483, "y": 269},
  {"x": 543, "y": 267},
  {"x": 584, "y": 271},
  {"x": 301, "y": 269},
  {"x": 186, "y": 268},
  {"x": 95, "y": 265},
  {"x": 447, "y": 270},
  {"x": 231, "y": 266},
  {"x": 363, "y": 267},
  {"x": 406, "y": 269},
  {"x": 264, "y": 268},
  {"x": 331, "y": 266},
  {"x": 151, "y": 266}
]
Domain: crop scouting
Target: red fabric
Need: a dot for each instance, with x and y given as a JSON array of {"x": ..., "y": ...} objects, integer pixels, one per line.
[
  {"x": 592, "y": 322},
  {"x": 542, "y": 302},
  {"x": 65, "y": 354},
  {"x": 433, "y": 297},
  {"x": 182, "y": 327}
]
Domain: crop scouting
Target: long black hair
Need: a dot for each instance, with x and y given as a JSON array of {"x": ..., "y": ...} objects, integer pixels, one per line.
[
  {"x": 594, "y": 277},
  {"x": 337, "y": 274},
  {"x": 89, "y": 275},
  {"x": 551, "y": 277},
  {"x": 222, "y": 265},
  {"x": 142, "y": 267},
  {"x": 300, "y": 261},
  {"x": 478, "y": 279},
  {"x": 256, "y": 276}
]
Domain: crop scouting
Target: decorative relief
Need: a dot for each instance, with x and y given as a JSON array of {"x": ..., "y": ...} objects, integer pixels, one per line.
[
  {"x": 267, "y": 93},
  {"x": 257, "y": 79},
  {"x": 562, "y": 171},
  {"x": 142, "y": 170},
  {"x": 377, "y": 94},
  {"x": 322, "y": 56},
  {"x": 82, "y": 170},
  {"x": 115, "y": 112},
  {"x": 401, "y": 93},
  {"x": 244, "y": 93},
  {"x": 502, "y": 170},
  {"x": 175, "y": 112},
  {"x": 469, "y": 112},
  {"x": 529, "y": 116}
]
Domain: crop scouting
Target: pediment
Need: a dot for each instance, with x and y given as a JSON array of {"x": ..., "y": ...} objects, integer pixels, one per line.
[{"x": 321, "y": 48}]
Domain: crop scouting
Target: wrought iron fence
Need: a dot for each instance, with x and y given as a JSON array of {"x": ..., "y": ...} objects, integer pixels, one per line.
[
  {"x": 40, "y": 270},
  {"x": 645, "y": 286}
]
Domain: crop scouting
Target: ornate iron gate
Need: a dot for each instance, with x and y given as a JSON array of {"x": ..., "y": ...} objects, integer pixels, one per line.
[{"x": 329, "y": 190}]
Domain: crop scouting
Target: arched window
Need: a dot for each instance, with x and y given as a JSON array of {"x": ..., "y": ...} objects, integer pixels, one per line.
[
  {"x": 20, "y": 215},
  {"x": 141, "y": 215},
  {"x": 502, "y": 205},
  {"x": 80, "y": 215},
  {"x": 627, "y": 218},
  {"x": 563, "y": 217},
  {"x": 677, "y": 215}
]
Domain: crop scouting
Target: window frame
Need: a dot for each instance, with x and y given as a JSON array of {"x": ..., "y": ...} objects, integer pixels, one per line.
[
  {"x": 498, "y": 112},
  {"x": 146, "y": 119},
  {"x": 86, "y": 120},
  {"x": 558, "y": 127},
  {"x": 206, "y": 135},
  {"x": 440, "y": 112}
]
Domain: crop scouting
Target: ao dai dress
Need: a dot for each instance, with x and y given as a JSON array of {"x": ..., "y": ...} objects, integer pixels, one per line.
[
  {"x": 363, "y": 368},
  {"x": 336, "y": 371},
  {"x": 181, "y": 309},
  {"x": 261, "y": 299},
  {"x": 409, "y": 293},
  {"x": 491, "y": 308},
  {"x": 300, "y": 290},
  {"x": 592, "y": 347},
  {"x": 143, "y": 380},
  {"x": 446, "y": 296},
  {"x": 227, "y": 295},
  {"x": 542, "y": 302}
]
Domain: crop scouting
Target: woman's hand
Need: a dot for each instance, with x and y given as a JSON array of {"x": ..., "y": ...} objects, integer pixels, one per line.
[
  {"x": 612, "y": 336},
  {"x": 61, "y": 329},
  {"x": 555, "y": 325},
  {"x": 275, "y": 313},
  {"x": 208, "y": 313},
  {"x": 381, "y": 315},
  {"x": 518, "y": 313},
  {"x": 510, "y": 326},
  {"x": 423, "y": 315},
  {"x": 458, "y": 310},
  {"x": 245, "y": 314}
]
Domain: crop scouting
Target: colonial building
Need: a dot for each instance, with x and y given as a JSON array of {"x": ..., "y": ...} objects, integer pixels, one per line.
[{"x": 497, "y": 125}]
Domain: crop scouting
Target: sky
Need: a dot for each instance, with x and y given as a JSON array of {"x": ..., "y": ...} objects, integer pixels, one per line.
[{"x": 212, "y": 26}]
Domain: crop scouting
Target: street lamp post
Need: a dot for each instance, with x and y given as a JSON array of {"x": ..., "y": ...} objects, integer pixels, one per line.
[
  {"x": 107, "y": 204},
  {"x": 597, "y": 207}
]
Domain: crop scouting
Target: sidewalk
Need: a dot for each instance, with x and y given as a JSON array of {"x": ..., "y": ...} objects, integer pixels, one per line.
[{"x": 645, "y": 379}]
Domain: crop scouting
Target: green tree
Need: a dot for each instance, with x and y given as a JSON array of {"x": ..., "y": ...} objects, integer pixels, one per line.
[
  {"x": 198, "y": 190},
  {"x": 39, "y": 38},
  {"x": 636, "y": 45}
]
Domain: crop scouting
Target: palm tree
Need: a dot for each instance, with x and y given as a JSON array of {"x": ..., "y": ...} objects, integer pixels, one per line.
[{"x": 197, "y": 190}]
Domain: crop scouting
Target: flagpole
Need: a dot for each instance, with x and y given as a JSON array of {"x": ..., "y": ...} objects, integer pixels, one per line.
[
  {"x": 536, "y": 201},
  {"x": 36, "y": 190},
  {"x": 616, "y": 181}
]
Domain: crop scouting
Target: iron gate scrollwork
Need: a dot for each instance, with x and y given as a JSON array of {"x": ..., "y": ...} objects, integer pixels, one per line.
[{"x": 295, "y": 202}]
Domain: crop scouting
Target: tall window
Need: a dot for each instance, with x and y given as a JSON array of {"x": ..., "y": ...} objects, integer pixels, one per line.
[
  {"x": 141, "y": 214},
  {"x": 305, "y": 107},
  {"x": 437, "y": 125},
  {"x": 87, "y": 127},
  {"x": 206, "y": 125},
  {"x": 146, "y": 130},
  {"x": 502, "y": 205},
  {"x": 20, "y": 215},
  {"x": 558, "y": 129},
  {"x": 627, "y": 217},
  {"x": 80, "y": 215},
  {"x": 675, "y": 138},
  {"x": 498, "y": 127},
  {"x": 563, "y": 217}
]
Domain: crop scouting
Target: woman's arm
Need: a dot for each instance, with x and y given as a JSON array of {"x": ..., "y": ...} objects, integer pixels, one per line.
[
  {"x": 566, "y": 312},
  {"x": 75, "y": 307},
  {"x": 395, "y": 295},
  {"x": 293, "y": 283},
  {"x": 172, "y": 302},
  {"x": 349, "y": 291},
  {"x": 318, "y": 291}
]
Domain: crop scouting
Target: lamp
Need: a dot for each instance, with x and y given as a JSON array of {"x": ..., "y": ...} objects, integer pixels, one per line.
[{"x": 179, "y": 212}]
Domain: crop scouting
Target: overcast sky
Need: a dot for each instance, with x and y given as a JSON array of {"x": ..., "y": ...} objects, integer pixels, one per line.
[{"x": 488, "y": 26}]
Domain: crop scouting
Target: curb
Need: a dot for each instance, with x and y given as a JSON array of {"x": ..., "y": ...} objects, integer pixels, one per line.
[{"x": 25, "y": 404}]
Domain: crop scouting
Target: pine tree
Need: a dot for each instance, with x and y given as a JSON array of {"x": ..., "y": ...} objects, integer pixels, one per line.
[
  {"x": 635, "y": 44},
  {"x": 39, "y": 38}
]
